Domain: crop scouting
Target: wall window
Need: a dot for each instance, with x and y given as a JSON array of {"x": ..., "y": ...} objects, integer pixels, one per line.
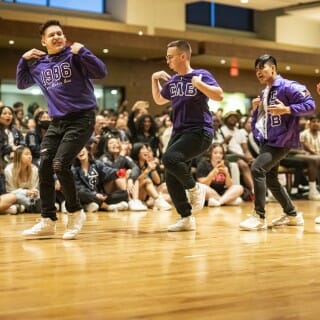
[
  {"x": 97, "y": 6},
  {"x": 221, "y": 16},
  {"x": 91, "y": 6},
  {"x": 113, "y": 96},
  {"x": 34, "y": 2}
]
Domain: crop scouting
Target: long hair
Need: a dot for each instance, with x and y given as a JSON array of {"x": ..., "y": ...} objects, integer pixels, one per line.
[
  {"x": 140, "y": 126},
  {"x": 18, "y": 173}
]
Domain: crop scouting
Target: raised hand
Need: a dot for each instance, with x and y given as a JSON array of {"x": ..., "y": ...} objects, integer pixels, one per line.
[
  {"x": 33, "y": 54},
  {"x": 75, "y": 47},
  {"x": 161, "y": 75}
]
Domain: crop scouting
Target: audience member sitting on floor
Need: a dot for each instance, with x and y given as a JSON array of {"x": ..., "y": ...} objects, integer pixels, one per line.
[
  {"x": 34, "y": 136},
  {"x": 10, "y": 137},
  {"x": 22, "y": 179},
  {"x": 213, "y": 171},
  {"x": 238, "y": 150},
  {"x": 310, "y": 140},
  {"x": 112, "y": 157},
  {"x": 91, "y": 177},
  {"x": 147, "y": 188}
]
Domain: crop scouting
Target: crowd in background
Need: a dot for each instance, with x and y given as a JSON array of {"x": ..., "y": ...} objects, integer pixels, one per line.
[{"x": 121, "y": 168}]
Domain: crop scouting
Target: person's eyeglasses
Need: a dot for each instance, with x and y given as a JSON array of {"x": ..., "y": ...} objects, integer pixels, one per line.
[{"x": 169, "y": 57}]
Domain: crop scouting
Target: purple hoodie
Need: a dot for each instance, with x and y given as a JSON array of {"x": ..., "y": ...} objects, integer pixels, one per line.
[
  {"x": 64, "y": 79},
  {"x": 189, "y": 106},
  {"x": 283, "y": 131}
]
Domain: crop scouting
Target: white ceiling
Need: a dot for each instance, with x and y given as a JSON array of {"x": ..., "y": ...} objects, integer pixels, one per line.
[{"x": 308, "y": 9}]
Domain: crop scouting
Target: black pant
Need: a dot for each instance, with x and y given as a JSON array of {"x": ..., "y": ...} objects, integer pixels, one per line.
[
  {"x": 265, "y": 175},
  {"x": 64, "y": 140},
  {"x": 182, "y": 149}
]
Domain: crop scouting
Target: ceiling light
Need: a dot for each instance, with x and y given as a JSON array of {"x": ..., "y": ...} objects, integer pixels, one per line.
[
  {"x": 288, "y": 68},
  {"x": 11, "y": 42},
  {"x": 316, "y": 71},
  {"x": 244, "y": 1},
  {"x": 105, "y": 50},
  {"x": 223, "y": 61},
  {"x": 140, "y": 33}
]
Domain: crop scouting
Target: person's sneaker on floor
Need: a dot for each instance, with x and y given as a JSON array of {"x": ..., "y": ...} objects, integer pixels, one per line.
[
  {"x": 197, "y": 197},
  {"x": 121, "y": 206},
  {"x": 91, "y": 207},
  {"x": 12, "y": 209},
  {"x": 21, "y": 208},
  {"x": 75, "y": 222},
  {"x": 45, "y": 227},
  {"x": 253, "y": 222},
  {"x": 184, "y": 224},
  {"x": 212, "y": 202},
  {"x": 137, "y": 205},
  {"x": 161, "y": 204},
  {"x": 286, "y": 220},
  {"x": 314, "y": 196},
  {"x": 235, "y": 202},
  {"x": 63, "y": 207}
]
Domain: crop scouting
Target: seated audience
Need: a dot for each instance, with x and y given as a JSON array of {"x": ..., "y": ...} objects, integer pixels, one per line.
[
  {"x": 22, "y": 179},
  {"x": 148, "y": 174},
  {"x": 91, "y": 178},
  {"x": 213, "y": 171}
]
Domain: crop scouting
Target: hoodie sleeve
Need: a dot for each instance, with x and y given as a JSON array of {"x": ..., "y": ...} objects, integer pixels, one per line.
[
  {"x": 24, "y": 78},
  {"x": 301, "y": 101},
  {"x": 93, "y": 67}
]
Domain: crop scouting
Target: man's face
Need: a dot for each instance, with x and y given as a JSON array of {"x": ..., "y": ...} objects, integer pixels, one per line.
[
  {"x": 54, "y": 39},
  {"x": 266, "y": 73},
  {"x": 173, "y": 58}
]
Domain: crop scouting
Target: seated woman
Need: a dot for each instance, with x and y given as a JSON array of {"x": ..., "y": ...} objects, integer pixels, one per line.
[
  {"x": 113, "y": 157},
  {"x": 34, "y": 136},
  {"x": 91, "y": 178},
  {"x": 148, "y": 174},
  {"x": 10, "y": 137},
  {"x": 214, "y": 173},
  {"x": 22, "y": 179}
]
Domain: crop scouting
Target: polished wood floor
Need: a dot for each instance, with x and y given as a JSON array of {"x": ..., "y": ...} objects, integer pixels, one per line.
[{"x": 126, "y": 266}]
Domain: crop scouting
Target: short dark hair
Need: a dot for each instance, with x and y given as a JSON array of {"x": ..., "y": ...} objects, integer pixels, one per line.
[
  {"x": 182, "y": 45},
  {"x": 266, "y": 58},
  {"x": 48, "y": 24}
]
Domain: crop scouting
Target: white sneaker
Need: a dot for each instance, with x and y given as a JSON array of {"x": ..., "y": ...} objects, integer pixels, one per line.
[
  {"x": 75, "y": 222},
  {"x": 184, "y": 224},
  {"x": 235, "y": 202},
  {"x": 21, "y": 208},
  {"x": 197, "y": 197},
  {"x": 314, "y": 196},
  {"x": 137, "y": 205},
  {"x": 286, "y": 220},
  {"x": 253, "y": 222},
  {"x": 45, "y": 227},
  {"x": 317, "y": 220},
  {"x": 121, "y": 206},
  {"x": 57, "y": 206},
  {"x": 63, "y": 207},
  {"x": 162, "y": 204},
  {"x": 12, "y": 209},
  {"x": 212, "y": 202},
  {"x": 92, "y": 207}
]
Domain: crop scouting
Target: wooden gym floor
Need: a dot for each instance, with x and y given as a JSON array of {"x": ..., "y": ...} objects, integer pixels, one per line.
[{"x": 127, "y": 266}]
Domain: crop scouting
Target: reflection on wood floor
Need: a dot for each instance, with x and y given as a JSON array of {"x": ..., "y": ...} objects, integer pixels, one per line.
[{"x": 126, "y": 266}]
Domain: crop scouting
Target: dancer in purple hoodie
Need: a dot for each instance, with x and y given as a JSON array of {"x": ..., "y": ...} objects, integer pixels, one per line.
[
  {"x": 188, "y": 91},
  {"x": 64, "y": 75},
  {"x": 275, "y": 125}
]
